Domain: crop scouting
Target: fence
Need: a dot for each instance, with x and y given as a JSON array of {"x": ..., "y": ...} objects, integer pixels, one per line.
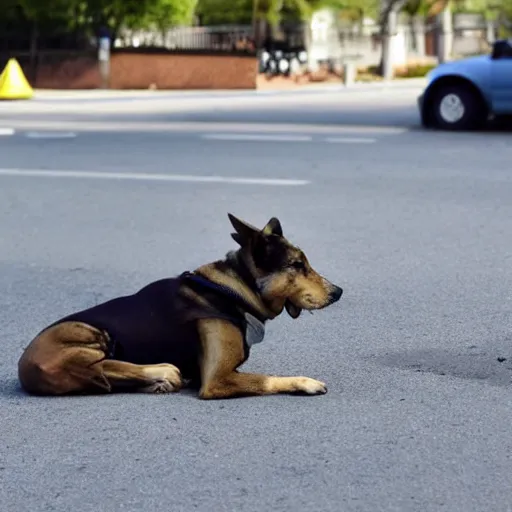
[
  {"x": 203, "y": 39},
  {"x": 415, "y": 39},
  {"x": 33, "y": 50}
]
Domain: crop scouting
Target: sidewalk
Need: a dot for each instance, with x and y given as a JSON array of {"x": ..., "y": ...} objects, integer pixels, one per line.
[
  {"x": 147, "y": 103},
  {"x": 272, "y": 88}
]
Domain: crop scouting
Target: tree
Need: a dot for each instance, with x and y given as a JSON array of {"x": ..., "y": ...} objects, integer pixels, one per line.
[
  {"x": 163, "y": 14},
  {"x": 498, "y": 10},
  {"x": 92, "y": 15},
  {"x": 217, "y": 12},
  {"x": 387, "y": 22},
  {"x": 115, "y": 14},
  {"x": 220, "y": 12}
]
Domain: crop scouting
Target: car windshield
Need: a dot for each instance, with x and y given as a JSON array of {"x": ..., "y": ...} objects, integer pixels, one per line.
[{"x": 502, "y": 49}]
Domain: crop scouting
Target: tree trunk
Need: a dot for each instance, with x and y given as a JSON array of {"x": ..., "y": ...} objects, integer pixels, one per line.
[
  {"x": 388, "y": 30},
  {"x": 445, "y": 34},
  {"x": 311, "y": 65},
  {"x": 412, "y": 30}
]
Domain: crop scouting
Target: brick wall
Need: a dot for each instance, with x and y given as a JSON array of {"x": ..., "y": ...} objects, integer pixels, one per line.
[
  {"x": 136, "y": 71},
  {"x": 130, "y": 70}
]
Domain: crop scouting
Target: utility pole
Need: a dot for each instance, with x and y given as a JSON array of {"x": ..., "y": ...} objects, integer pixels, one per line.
[{"x": 104, "y": 56}]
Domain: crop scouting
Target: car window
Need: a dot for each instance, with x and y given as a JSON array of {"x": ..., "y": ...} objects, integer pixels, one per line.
[{"x": 502, "y": 50}]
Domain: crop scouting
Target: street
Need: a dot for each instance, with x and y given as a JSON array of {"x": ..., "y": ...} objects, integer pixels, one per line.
[{"x": 100, "y": 196}]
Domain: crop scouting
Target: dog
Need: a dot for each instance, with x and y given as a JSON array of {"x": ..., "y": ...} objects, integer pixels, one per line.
[{"x": 194, "y": 329}]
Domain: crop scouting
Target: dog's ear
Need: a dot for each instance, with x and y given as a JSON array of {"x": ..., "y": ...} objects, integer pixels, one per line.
[
  {"x": 292, "y": 309},
  {"x": 273, "y": 227},
  {"x": 237, "y": 238},
  {"x": 244, "y": 231}
]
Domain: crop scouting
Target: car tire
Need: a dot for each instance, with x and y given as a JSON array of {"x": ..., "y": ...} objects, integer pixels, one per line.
[{"x": 457, "y": 107}]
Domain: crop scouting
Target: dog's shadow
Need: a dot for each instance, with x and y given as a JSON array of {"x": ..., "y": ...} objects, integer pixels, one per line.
[
  {"x": 473, "y": 364},
  {"x": 11, "y": 388}
]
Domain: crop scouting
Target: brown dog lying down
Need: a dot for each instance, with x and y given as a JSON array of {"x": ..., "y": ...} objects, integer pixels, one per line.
[{"x": 197, "y": 327}]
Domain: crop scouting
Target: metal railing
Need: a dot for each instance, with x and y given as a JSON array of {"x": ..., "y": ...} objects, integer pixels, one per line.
[{"x": 217, "y": 39}]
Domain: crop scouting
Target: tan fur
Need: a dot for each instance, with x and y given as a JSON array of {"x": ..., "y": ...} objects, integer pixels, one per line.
[
  {"x": 70, "y": 357},
  {"x": 308, "y": 292},
  {"x": 223, "y": 353}
]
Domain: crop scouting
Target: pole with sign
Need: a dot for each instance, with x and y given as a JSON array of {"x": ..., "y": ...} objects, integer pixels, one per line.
[{"x": 104, "y": 58}]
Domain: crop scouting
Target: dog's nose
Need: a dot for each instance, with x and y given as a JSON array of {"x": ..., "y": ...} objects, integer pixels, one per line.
[{"x": 336, "y": 294}]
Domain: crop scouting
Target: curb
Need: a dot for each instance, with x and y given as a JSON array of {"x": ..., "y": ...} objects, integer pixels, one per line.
[{"x": 55, "y": 95}]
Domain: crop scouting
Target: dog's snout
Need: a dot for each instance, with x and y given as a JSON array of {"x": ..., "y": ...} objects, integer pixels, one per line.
[{"x": 335, "y": 294}]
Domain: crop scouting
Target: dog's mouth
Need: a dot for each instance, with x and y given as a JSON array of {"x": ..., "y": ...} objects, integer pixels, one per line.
[
  {"x": 310, "y": 305},
  {"x": 293, "y": 310}
]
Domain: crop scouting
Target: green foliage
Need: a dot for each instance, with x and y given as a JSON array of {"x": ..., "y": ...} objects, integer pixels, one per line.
[
  {"x": 417, "y": 7},
  {"x": 162, "y": 13},
  {"x": 416, "y": 70},
  {"x": 217, "y": 12},
  {"x": 489, "y": 8},
  {"x": 353, "y": 9},
  {"x": 140, "y": 13},
  {"x": 503, "y": 9},
  {"x": 89, "y": 15},
  {"x": 220, "y": 12},
  {"x": 411, "y": 71}
]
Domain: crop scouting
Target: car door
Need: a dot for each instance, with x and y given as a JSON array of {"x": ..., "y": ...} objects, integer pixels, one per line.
[{"x": 501, "y": 78}]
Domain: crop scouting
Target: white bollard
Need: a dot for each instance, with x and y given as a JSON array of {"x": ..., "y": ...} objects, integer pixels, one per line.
[{"x": 349, "y": 73}]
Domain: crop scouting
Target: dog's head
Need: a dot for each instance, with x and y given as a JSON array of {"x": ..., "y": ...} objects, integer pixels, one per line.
[{"x": 283, "y": 273}]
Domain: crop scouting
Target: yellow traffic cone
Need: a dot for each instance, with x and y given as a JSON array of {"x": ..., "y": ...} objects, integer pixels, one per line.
[{"x": 13, "y": 84}]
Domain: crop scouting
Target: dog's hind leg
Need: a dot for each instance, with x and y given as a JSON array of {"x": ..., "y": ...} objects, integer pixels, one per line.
[
  {"x": 70, "y": 358},
  {"x": 156, "y": 378},
  {"x": 61, "y": 359},
  {"x": 223, "y": 353}
]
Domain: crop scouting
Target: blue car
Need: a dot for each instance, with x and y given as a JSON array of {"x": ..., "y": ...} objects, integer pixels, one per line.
[{"x": 465, "y": 94}]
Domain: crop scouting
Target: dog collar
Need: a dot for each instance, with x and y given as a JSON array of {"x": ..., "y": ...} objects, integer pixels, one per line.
[{"x": 224, "y": 290}]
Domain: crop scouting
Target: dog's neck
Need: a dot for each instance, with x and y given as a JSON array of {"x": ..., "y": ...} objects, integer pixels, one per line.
[{"x": 237, "y": 272}]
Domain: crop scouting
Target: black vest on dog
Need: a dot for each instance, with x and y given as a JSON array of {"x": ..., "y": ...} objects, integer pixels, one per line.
[{"x": 155, "y": 325}]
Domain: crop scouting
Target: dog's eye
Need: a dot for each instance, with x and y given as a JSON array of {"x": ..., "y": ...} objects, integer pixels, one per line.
[{"x": 299, "y": 265}]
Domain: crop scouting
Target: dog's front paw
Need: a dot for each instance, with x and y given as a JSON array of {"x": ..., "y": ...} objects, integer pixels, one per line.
[
  {"x": 166, "y": 379},
  {"x": 159, "y": 386},
  {"x": 310, "y": 386}
]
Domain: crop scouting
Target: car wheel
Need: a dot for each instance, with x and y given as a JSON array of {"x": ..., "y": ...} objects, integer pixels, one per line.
[{"x": 457, "y": 107}]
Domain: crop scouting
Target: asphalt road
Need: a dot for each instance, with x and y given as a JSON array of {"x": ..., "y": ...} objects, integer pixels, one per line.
[{"x": 415, "y": 226}]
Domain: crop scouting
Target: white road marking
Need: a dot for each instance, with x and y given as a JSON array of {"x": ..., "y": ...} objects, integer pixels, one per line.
[
  {"x": 350, "y": 140},
  {"x": 6, "y": 131},
  {"x": 44, "y": 173},
  {"x": 284, "y": 138},
  {"x": 208, "y": 127},
  {"x": 256, "y": 137},
  {"x": 50, "y": 135}
]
